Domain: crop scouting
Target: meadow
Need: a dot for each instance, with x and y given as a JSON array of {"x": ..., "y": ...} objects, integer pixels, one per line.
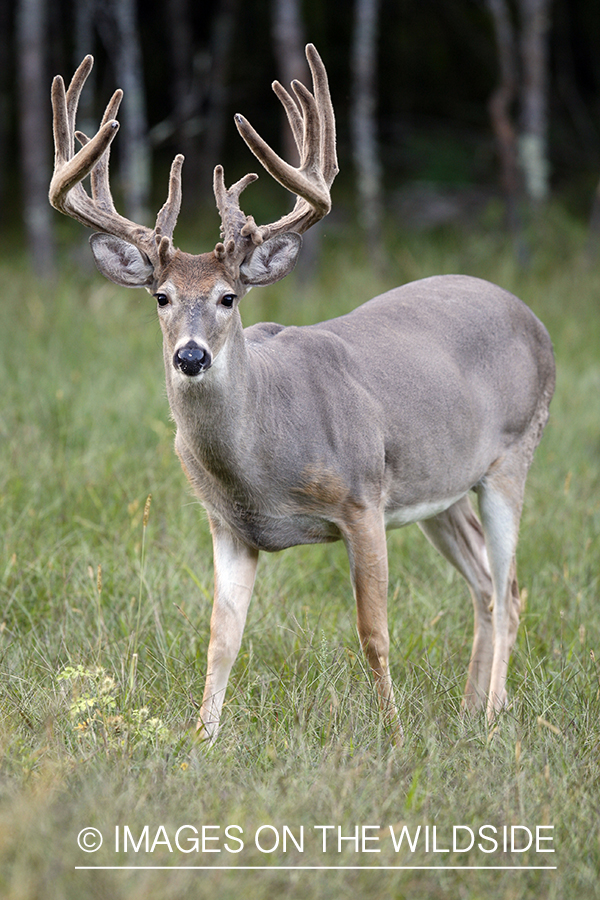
[{"x": 105, "y": 599}]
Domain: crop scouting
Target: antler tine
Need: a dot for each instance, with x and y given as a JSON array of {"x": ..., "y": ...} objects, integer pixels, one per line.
[
  {"x": 311, "y": 143},
  {"x": 64, "y": 147},
  {"x": 292, "y": 112},
  {"x": 168, "y": 215},
  {"x": 326, "y": 114},
  {"x": 99, "y": 179},
  {"x": 236, "y": 226},
  {"x": 73, "y": 94}
]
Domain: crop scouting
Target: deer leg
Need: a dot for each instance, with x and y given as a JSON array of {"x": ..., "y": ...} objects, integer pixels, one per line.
[
  {"x": 366, "y": 544},
  {"x": 500, "y": 504},
  {"x": 235, "y": 570},
  {"x": 457, "y": 534}
]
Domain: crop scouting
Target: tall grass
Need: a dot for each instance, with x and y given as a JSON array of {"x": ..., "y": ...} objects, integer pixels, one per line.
[{"x": 105, "y": 607}]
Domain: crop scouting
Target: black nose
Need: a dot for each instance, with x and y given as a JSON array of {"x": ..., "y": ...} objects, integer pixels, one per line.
[{"x": 192, "y": 359}]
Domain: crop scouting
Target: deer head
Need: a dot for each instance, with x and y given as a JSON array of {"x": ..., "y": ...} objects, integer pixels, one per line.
[{"x": 247, "y": 255}]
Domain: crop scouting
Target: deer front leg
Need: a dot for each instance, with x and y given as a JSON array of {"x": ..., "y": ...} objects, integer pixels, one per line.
[
  {"x": 366, "y": 543},
  {"x": 235, "y": 570}
]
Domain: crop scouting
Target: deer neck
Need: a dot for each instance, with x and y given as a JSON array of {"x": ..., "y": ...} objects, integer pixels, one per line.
[{"x": 214, "y": 413}]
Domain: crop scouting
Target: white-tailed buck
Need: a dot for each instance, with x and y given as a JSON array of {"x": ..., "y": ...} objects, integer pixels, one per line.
[{"x": 337, "y": 431}]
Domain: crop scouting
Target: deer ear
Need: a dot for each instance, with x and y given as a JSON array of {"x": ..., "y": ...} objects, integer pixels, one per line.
[
  {"x": 120, "y": 261},
  {"x": 272, "y": 260}
]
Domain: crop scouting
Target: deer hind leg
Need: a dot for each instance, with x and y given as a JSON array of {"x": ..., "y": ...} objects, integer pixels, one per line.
[
  {"x": 235, "y": 570},
  {"x": 457, "y": 534},
  {"x": 366, "y": 544},
  {"x": 500, "y": 504}
]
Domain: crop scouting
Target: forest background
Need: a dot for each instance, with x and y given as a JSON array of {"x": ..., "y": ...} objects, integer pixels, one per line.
[{"x": 440, "y": 106}]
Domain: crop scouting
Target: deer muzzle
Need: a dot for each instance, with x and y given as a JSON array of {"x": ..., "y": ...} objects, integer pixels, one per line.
[{"x": 191, "y": 359}]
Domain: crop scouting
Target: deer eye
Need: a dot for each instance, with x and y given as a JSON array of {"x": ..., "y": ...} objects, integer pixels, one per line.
[
  {"x": 162, "y": 299},
  {"x": 228, "y": 300}
]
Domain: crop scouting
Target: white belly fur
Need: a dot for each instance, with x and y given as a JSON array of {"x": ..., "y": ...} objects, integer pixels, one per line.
[{"x": 396, "y": 518}]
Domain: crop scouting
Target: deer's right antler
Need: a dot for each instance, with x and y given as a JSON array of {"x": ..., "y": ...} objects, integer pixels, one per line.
[
  {"x": 312, "y": 122},
  {"x": 67, "y": 193}
]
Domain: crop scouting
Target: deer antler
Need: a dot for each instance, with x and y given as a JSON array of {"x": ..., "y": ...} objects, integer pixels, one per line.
[
  {"x": 67, "y": 193},
  {"x": 312, "y": 121}
]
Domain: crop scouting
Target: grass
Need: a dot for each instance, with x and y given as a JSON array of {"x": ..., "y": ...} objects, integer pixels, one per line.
[{"x": 104, "y": 619}]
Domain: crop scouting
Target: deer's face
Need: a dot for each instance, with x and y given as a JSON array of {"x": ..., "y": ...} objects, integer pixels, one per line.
[
  {"x": 197, "y": 301},
  {"x": 197, "y": 296}
]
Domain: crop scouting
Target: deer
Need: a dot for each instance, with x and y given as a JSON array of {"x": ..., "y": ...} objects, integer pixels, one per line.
[{"x": 392, "y": 414}]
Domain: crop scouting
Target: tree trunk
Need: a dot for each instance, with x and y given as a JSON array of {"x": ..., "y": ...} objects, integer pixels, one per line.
[
  {"x": 288, "y": 43},
  {"x": 84, "y": 44},
  {"x": 185, "y": 94},
  {"x": 180, "y": 38},
  {"x": 6, "y": 79},
  {"x": 216, "y": 99},
  {"x": 34, "y": 126},
  {"x": 500, "y": 109},
  {"x": 133, "y": 143},
  {"x": 364, "y": 123},
  {"x": 533, "y": 149},
  {"x": 591, "y": 248}
]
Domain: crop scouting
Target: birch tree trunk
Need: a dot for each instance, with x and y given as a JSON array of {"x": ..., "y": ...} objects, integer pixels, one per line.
[
  {"x": 34, "y": 127},
  {"x": 364, "y": 123},
  {"x": 133, "y": 142},
  {"x": 533, "y": 141}
]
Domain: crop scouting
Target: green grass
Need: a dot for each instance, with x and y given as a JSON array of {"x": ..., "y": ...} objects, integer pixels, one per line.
[{"x": 104, "y": 623}]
